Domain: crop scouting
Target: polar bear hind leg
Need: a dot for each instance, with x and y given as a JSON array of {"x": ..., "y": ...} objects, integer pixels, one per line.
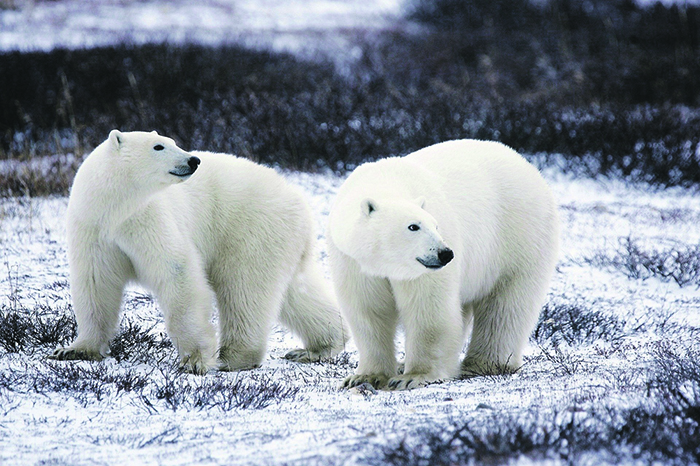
[
  {"x": 310, "y": 311},
  {"x": 501, "y": 326},
  {"x": 247, "y": 308}
]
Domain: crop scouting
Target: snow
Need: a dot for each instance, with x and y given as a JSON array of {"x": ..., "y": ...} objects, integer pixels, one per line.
[
  {"x": 300, "y": 26},
  {"x": 323, "y": 424}
]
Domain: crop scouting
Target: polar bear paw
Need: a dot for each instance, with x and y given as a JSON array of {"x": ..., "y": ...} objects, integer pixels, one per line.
[
  {"x": 378, "y": 381},
  {"x": 471, "y": 368},
  {"x": 232, "y": 360},
  {"x": 72, "y": 354},
  {"x": 305, "y": 356},
  {"x": 196, "y": 364},
  {"x": 409, "y": 381}
]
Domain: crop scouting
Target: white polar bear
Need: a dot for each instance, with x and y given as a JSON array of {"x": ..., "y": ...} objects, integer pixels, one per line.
[
  {"x": 235, "y": 227},
  {"x": 459, "y": 231}
]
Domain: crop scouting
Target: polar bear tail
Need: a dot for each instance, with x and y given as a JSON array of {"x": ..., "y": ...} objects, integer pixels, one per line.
[{"x": 311, "y": 311}]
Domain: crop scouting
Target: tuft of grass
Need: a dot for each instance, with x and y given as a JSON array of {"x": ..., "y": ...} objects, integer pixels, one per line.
[
  {"x": 40, "y": 329},
  {"x": 339, "y": 366},
  {"x": 137, "y": 344},
  {"x": 676, "y": 377},
  {"x": 564, "y": 363},
  {"x": 25, "y": 331},
  {"x": 83, "y": 381},
  {"x": 179, "y": 391},
  {"x": 680, "y": 265},
  {"x": 493, "y": 370}
]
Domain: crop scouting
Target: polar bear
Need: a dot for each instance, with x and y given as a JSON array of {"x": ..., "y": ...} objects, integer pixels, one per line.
[
  {"x": 459, "y": 235},
  {"x": 142, "y": 209}
]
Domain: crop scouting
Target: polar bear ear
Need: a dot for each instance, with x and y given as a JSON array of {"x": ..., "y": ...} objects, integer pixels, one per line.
[
  {"x": 368, "y": 206},
  {"x": 154, "y": 132},
  {"x": 420, "y": 201},
  {"x": 116, "y": 138}
]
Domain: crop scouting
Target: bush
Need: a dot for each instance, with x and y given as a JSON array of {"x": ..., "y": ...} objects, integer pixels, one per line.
[
  {"x": 680, "y": 265},
  {"x": 24, "y": 331},
  {"x": 652, "y": 431},
  {"x": 575, "y": 324},
  {"x": 178, "y": 391},
  {"x": 567, "y": 50}
]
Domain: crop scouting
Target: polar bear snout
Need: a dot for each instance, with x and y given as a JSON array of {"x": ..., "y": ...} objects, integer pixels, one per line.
[
  {"x": 443, "y": 257},
  {"x": 185, "y": 171}
]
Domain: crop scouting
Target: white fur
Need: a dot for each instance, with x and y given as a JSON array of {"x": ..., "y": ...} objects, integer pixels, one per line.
[
  {"x": 493, "y": 210},
  {"x": 235, "y": 231}
]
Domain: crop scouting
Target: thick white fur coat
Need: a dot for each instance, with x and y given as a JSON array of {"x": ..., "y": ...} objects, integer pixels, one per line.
[
  {"x": 234, "y": 233},
  {"x": 493, "y": 210}
]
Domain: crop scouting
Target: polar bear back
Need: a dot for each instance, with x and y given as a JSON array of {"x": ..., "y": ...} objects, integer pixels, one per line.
[
  {"x": 489, "y": 171},
  {"x": 230, "y": 197}
]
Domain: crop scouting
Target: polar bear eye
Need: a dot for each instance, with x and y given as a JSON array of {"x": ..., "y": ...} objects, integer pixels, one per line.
[
  {"x": 158, "y": 147},
  {"x": 413, "y": 227}
]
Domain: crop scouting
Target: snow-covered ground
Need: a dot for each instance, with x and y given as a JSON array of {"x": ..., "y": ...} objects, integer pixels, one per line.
[
  {"x": 321, "y": 424},
  {"x": 303, "y": 27},
  {"x": 298, "y": 26}
]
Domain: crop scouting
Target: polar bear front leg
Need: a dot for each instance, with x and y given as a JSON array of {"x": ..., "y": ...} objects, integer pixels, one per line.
[
  {"x": 97, "y": 280},
  {"x": 432, "y": 320},
  {"x": 369, "y": 308},
  {"x": 372, "y": 319},
  {"x": 173, "y": 271}
]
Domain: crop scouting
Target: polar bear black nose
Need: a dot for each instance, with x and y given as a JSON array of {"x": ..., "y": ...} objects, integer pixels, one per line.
[
  {"x": 193, "y": 162},
  {"x": 445, "y": 256}
]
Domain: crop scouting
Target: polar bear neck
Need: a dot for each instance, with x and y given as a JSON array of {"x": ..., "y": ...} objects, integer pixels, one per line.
[{"x": 100, "y": 180}]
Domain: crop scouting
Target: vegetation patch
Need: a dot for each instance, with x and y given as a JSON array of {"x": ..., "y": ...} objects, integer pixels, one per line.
[
  {"x": 680, "y": 265},
  {"x": 178, "y": 391},
  {"x": 28, "y": 330},
  {"x": 664, "y": 426},
  {"x": 575, "y": 324}
]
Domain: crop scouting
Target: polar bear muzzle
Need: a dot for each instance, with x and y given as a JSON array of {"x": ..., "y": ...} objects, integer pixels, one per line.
[
  {"x": 184, "y": 171},
  {"x": 444, "y": 256}
]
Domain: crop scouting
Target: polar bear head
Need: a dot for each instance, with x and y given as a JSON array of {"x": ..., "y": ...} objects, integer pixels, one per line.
[
  {"x": 398, "y": 239},
  {"x": 150, "y": 159}
]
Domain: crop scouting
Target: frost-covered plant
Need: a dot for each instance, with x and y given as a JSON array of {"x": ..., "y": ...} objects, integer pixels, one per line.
[
  {"x": 26, "y": 330},
  {"x": 575, "y": 323},
  {"x": 680, "y": 264},
  {"x": 651, "y": 430},
  {"x": 181, "y": 391},
  {"x": 138, "y": 344}
]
